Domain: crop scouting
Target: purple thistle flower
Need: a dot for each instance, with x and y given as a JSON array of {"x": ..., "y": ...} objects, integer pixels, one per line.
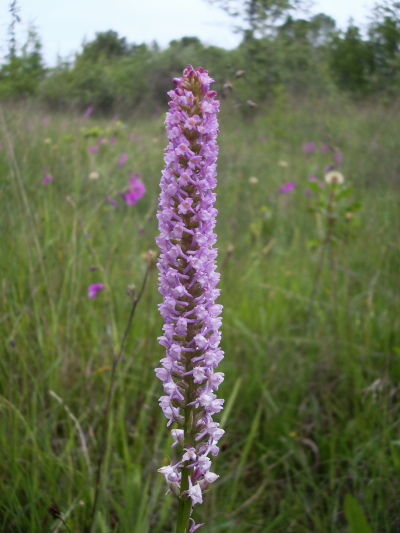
[
  {"x": 187, "y": 282},
  {"x": 287, "y": 187},
  {"x": 308, "y": 148},
  {"x": 135, "y": 192},
  {"x": 94, "y": 289},
  {"x": 88, "y": 112},
  {"x": 93, "y": 149},
  {"x": 47, "y": 179},
  {"x": 122, "y": 159}
]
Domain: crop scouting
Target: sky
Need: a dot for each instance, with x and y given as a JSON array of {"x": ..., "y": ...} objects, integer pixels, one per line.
[{"x": 64, "y": 24}]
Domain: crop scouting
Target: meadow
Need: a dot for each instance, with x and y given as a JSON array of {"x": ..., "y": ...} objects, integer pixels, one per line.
[{"x": 311, "y": 324}]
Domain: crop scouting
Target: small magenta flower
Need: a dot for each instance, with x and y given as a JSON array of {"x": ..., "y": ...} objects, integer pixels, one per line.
[
  {"x": 47, "y": 179},
  {"x": 187, "y": 282},
  {"x": 308, "y": 148},
  {"x": 93, "y": 149},
  {"x": 113, "y": 139},
  {"x": 88, "y": 112},
  {"x": 135, "y": 191},
  {"x": 123, "y": 159},
  {"x": 287, "y": 187},
  {"x": 94, "y": 289}
]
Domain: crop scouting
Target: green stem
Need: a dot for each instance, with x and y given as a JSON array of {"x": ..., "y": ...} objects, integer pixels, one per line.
[{"x": 182, "y": 524}]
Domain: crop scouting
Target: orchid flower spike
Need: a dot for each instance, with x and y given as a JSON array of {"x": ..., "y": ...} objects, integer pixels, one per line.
[{"x": 187, "y": 282}]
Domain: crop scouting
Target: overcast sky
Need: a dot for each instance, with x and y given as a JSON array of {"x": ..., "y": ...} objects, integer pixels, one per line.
[{"x": 63, "y": 24}]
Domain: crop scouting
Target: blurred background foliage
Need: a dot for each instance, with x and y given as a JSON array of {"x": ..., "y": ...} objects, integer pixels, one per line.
[{"x": 303, "y": 56}]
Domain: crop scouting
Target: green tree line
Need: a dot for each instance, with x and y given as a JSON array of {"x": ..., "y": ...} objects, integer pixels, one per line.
[{"x": 278, "y": 51}]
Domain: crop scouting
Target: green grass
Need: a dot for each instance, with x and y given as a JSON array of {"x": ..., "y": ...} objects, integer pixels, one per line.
[{"x": 303, "y": 425}]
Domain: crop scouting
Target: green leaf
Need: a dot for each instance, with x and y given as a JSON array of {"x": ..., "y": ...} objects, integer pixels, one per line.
[
  {"x": 343, "y": 193},
  {"x": 354, "y": 515},
  {"x": 314, "y": 186}
]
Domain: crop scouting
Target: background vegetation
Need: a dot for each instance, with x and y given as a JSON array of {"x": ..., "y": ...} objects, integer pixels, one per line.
[
  {"x": 305, "y": 56},
  {"x": 311, "y": 339}
]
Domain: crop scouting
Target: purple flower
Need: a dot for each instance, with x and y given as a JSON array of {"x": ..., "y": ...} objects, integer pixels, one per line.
[
  {"x": 308, "y": 148},
  {"x": 135, "y": 192},
  {"x": 122, "y": 159},
  {"x": 307, "y": 192},
  {"x": 112, "y": 201},
  {"x": 93, "y": 268},
  {"x": 329, "y": 168},
  {"x": 94, "y": 289},
  {"x": 287, "y": 187},
  {"x": 47, "y": 179},
  {"x": 88, "y": 112},
  {"x": 338, "y": 157},
  {"x": 324, "y": 148},
  {"x": 188, "y": 281},
  {"x": 113, "y": 139},
  {"x": 93, "y": 149}
]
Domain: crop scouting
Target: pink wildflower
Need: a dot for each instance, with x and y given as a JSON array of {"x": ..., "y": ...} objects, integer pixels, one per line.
[
  {"x": 94, "y": 289},
  {"x": 47, "y": 179},
  {"x": 287, "y": 187}
]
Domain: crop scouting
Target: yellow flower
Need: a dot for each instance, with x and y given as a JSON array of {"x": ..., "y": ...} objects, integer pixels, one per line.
[
  {"x": 283, "y": 164},
  {"x": 334, "y": 178},
  {"x": 253, "y": 180}
]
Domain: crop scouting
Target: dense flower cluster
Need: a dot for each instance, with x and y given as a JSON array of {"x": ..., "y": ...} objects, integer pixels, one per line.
[{"x": 188, "y": 284}]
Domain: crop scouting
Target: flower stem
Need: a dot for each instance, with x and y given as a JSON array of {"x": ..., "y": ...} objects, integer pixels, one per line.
[{"x": 182, "y": 524}]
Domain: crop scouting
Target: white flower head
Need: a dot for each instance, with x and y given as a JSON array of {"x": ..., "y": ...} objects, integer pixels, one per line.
[{"x": 334, "y": 178}]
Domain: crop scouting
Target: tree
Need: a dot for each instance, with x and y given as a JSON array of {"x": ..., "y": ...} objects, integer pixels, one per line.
[
  {"x": 384, "y": 33},
  {"x": 107, "y": 45},
  {"x": 258, "y": 14},
  {"x": 352, "y": 61},
  {"x": 23, "y": 68}
]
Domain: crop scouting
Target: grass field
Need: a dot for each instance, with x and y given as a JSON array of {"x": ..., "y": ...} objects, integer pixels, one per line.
[{"x": 311, "y": 331}]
